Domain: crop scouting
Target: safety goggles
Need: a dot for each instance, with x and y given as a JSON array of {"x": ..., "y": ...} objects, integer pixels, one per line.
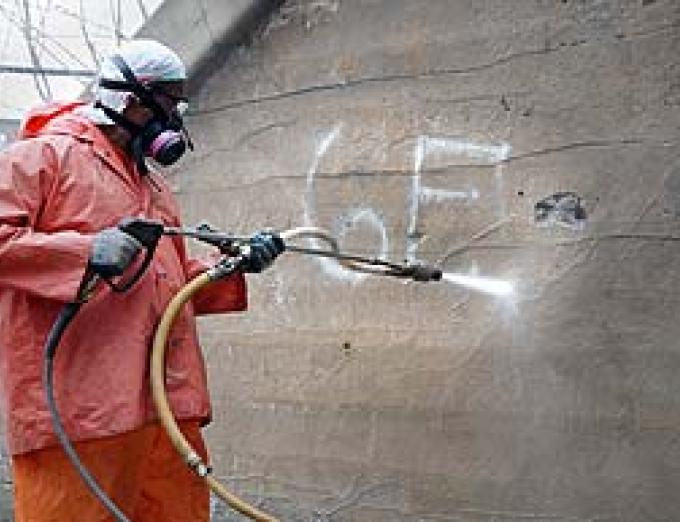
[{"x": 179, "y": 103}]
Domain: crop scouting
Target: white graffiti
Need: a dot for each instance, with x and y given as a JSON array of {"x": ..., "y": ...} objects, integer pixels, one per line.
[
  {"x": 444, "y": 150},
  {"x": 489, "y": 154},
  {"x": 440, "y": 195},
  {"x": 344, "y": 221},
  {"x": 354, "y": 217}
]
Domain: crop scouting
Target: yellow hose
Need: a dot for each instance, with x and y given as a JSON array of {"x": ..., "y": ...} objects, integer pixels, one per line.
[
  {"x": 160, "y": 398},
  {"x": 165, "y": 415}
]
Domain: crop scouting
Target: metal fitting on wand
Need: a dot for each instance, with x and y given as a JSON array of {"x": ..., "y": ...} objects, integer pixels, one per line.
[{"x": 422, "y": 272}]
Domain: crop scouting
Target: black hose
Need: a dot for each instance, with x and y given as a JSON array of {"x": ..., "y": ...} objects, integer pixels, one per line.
[{"x": 64, "y": 318}]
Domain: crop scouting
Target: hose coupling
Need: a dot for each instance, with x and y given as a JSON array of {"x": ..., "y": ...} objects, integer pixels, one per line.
[
  {"x": 197, "y": 465},
  {"x": 224, "y": 268}
]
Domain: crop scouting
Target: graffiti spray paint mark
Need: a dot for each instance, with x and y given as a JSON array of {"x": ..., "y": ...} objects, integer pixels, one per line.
[
  {"x": 563, "y": 209},
  {"x": 488, "y": 153},
  {"x": 441, "y": 195},
  {"x": 492, "y": 154},
  {"x": 349, "y": 219},
  {"x": 353, "y": 218}
]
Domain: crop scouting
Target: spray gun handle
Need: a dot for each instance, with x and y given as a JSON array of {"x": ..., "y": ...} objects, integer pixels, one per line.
[{"x": 148, "y": 232}]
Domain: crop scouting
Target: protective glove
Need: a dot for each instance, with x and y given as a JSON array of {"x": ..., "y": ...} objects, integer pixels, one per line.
[
  {"x": 264, "y": 248},
  {"x": 112, "y": 252}
]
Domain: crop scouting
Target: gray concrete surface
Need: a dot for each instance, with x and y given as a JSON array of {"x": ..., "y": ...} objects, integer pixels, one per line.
[
  {"x": 431, "y": 130},
  {"x": 5, "y": 487},
  {"x": 203, "y": 31}
]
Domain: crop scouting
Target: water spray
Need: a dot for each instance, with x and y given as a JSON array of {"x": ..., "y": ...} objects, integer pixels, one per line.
[{"x": 487, "y": 285}]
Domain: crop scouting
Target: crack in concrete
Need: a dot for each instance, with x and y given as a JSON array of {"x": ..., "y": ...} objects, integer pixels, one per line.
[
  {"x": 527, "y": 516},
  {"x": 352, "y": 497},
  {"x": 480, "y": 97},
  {"x": 442, "y": 171},
  {"x": 378, "y": 79},
  {"x": 204, "y": 17},
  {"x": 262, "y": 130},
  {"x": 649, "y": 32},
  {"x": 520, "y": 245},
  {"x": 427, "y": 74},
  {"x": 482, "y": 234},
  {"x": 575, "y": 145},
  {"x": 369, "y": 80},
  {"x": 494, "y": 515}
]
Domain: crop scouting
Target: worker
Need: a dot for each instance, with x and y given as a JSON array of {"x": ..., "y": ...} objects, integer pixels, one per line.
[{"x": 75, "y": 172}]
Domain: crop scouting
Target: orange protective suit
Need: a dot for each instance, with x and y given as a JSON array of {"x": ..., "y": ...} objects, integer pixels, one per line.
[
  {"x": 59, "y": 184},
  {"x": 140, "y": 471}
]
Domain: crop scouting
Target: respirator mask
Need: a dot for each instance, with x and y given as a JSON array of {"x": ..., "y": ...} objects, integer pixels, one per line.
[{"x": 163, "y": 138}]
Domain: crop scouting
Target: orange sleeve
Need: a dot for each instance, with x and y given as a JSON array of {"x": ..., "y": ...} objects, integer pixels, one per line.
[
  {"x": 48, "y": 265},
  {"x": 226, "y": 295}
]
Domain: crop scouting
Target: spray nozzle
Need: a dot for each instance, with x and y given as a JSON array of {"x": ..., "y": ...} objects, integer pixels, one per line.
[{"x": 420, "y": 272}]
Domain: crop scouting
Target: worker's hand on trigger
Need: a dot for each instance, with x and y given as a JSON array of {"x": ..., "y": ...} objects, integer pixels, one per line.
[
  {"x": 264, "y": 248},
  {"x": 112, "y": 252}
]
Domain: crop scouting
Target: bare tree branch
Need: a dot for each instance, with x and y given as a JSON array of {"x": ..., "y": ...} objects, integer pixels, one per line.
[
  {"x": 78, "y": 16},
  {"x": 115, "y": 19},
  {"x": 41, "y": 83},
  {"x": 119, "y": 19},
  {"x": 47, "y": 71},
  {"x": 142, "y": 8},
  {"x": 21, "y": 26},
  {"x": 86, "y": 34}
]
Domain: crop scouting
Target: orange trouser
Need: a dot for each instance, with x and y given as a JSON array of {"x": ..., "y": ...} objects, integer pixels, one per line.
[{"x": 140, "y": 471}]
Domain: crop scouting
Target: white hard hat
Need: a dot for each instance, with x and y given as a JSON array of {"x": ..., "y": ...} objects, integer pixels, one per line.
[{"x": 149, "y": 60}]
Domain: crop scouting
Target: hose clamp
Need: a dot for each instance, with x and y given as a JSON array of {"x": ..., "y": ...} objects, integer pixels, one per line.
[{"x": 197, "y": 465}]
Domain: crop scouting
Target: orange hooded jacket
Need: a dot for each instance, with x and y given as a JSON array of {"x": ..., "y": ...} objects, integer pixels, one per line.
[{"x": 59, "y": 184}]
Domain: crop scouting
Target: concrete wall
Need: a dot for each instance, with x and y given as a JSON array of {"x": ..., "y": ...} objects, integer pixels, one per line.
[
  {"x": 431, "y": 130},
  {"x": 203, "y": 31}
]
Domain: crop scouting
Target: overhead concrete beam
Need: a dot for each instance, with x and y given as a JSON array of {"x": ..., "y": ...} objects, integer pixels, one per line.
[{"x": 204, "y": 31}]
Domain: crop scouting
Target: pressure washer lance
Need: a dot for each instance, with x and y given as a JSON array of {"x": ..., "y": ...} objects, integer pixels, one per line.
[
  {"x": 148, "y": 233},
  {"x": 229, "y": 244}
]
